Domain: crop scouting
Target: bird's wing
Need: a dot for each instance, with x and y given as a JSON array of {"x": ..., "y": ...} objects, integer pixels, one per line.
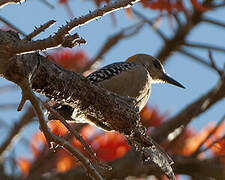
[
  {"x": 125, "y": 79},
  {"x": 110, "y": 71}
]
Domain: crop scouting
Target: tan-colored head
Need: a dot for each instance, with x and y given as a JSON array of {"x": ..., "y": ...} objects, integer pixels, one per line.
[{"x": 155, "y": 69}]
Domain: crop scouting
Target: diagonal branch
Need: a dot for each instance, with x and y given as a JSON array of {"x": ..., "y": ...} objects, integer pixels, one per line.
[
  {"x": 212, "y": 144},
  {"x": 198, "y": 149},
  {"x": 12, "y": 26},
  {"x": 76, "y": 135},
  {"x": 183, "y": 118},
  {"x": 113, "y": 40},
  {"x": 181, "y": 33},
  {"x": 151, "y": 23},
  {"x": 204, "y": 46},
  {"x": 25, "y": 119},
  {"x": 39, "y": 30},
  {"x": 67, "y": 87},
  {"x": 104, "y": 108},
  {"x": 194, "y": 57},
  {"x": 6, "y": 2},
  {"x": 62, "y": 34},
  {"x": 199, "y": 59},
  {"x": 213, "y": 22},
  {"x": 132, "y": 165},
  {"x": 111, "y": 7},
  {"x": 27, "y": 94}
]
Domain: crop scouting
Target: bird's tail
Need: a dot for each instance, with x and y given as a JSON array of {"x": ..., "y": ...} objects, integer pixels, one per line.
[{"x": 152, "y": 152}]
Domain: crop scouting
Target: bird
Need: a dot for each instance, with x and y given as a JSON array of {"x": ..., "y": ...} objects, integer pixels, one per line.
[{"x": 132, "y": 78}]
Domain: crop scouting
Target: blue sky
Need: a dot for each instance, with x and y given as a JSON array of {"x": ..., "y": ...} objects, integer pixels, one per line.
[{"x": 195, "y": 77}]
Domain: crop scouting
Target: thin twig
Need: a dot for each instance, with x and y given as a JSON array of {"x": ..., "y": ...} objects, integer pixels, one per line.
[
  {"x": 6, "y": 2},
  {"x": 62, "y": 34},
  {"x": 204, "y": 46},
  {"x": 197, "y": 151},
  {"x": 50, "y": 137},
  {"x": 25, "y": 119},
  {"x": 75, "y": 133},
  {"x": 45, "y": 2},
  {"x": 7, "y": 106},
  {"x": 7, "y": 88},
  {"x": 214, "y": 66},
  {"x": 176, "y": 17},
  {"x": 213, "y": 21},
  {"x": 184, "y": 117},
  {"x": 12, "y": 26},
  {"x": 212, "y": 144},
  {"x": 151, "y": 23},
  {"x": 218, "y": 5},
  {"x": 113, "y": 40},
  {"x": 39, "y": 30},
  {"x": 194, "y": 57},
  {"x": 211, "y": 65},
  {"x": 111, "y": 7}
]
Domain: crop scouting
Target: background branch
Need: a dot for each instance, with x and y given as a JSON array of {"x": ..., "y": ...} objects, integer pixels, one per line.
[
  {"x": 132, "y": 165},
  {"x": 25, "y": 119},
  {"x": 183, "y": 118}
]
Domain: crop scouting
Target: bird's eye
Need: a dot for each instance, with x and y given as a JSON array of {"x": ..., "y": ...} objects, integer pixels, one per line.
[{"x": 157, "y": 65}]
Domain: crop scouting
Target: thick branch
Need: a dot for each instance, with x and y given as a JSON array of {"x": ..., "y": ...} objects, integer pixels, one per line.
[
  {"x": 51, "y": 80},
  {"x": 63, "y": 33},
  {"x": 27, "y": 94},
  {"x": 132, "y": 165}
]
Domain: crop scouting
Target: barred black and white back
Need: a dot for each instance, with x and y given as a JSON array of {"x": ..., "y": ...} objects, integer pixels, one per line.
[{"x": 109, "y": 71}]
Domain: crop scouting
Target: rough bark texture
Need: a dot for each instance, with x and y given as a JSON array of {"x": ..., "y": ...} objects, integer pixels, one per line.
[{"x": 53, "y": 81}]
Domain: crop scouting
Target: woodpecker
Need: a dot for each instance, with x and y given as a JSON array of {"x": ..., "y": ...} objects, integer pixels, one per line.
[{"x": 132, "y": 78}]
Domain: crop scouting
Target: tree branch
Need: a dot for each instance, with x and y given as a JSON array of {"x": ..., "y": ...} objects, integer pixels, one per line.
[
  {"x": 151, "y": 23},
  {"x": 50, "y": 137},
  {"x": 106, "y": 109},
  {"x": 76, "y": 135},
  {"x": 181, "y": 33},
  {"x": 6, "y": 2},
  {"x": 113, "y": 40},
  {"x": 132, "y": 165},
  {"x": 182, "y": 119},
  {"x": 198, "y": 149},
  {"x": 39, "y": 30},
  {"x": 25, "y": 119},
  {"x": 213, "y": 22},
  {"x": 204, "y": 46},
  {"x": 62, "y": 35},
  {"x": 12, "y": 26}
]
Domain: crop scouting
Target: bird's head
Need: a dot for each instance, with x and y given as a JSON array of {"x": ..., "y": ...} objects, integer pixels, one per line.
[{"x": 155, "y": 69}]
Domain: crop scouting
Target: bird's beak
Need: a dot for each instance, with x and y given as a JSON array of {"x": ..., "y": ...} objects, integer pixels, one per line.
[{"x": 170, "y": 80}]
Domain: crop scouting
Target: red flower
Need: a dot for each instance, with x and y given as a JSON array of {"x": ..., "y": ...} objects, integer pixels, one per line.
[
  {"x": 150, "y": 117},
  {"x": 72, "y": 60}
]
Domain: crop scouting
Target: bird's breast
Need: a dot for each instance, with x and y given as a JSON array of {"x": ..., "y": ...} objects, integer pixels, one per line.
[{"x": 134, "y": 83}]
